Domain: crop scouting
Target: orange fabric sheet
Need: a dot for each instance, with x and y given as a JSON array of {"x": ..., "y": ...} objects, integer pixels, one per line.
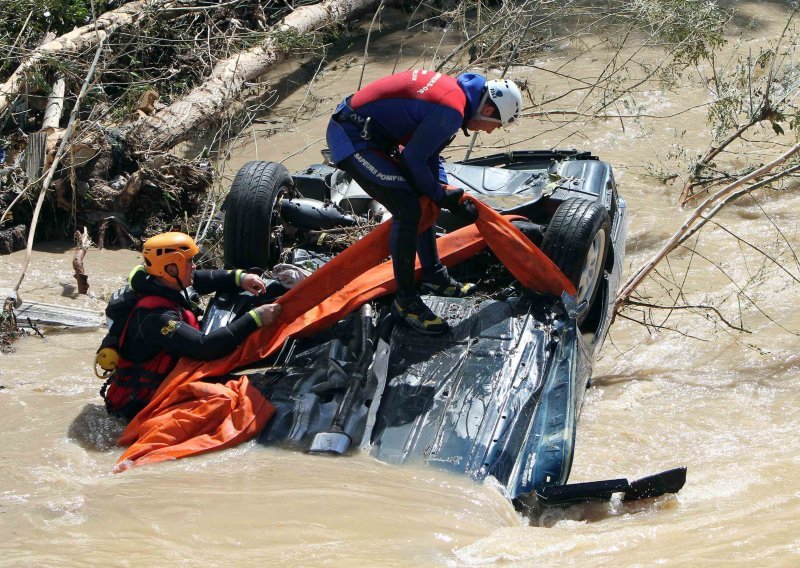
[{"x": 186, "y": 417}]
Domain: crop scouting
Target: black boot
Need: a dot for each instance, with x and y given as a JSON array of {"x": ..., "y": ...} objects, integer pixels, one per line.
[
  {"x": 413, "y": 312},
  {"x": 437, "y": 281}
]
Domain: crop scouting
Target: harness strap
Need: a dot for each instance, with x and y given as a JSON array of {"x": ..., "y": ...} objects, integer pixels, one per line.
[
  {"x": 131, "y": 386},
  {"x": 154, "y": 302},
  {"x": 371, "y": 131}
]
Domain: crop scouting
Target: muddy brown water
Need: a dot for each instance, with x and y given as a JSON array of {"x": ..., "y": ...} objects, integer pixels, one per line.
[{"x": 722, "y": 403}]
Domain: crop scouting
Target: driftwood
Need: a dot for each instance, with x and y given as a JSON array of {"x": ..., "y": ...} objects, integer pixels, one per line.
[
  {"x": 93, "y": 158},
  {"x": 29, "y": 314},
  {"x": 82, "y": 244},
  {"x": 176, "y": 122},
  {"x": 35, "y": 157},
  {"x": 8, "y": 325},
  {"x": 699, "y": 217},
  {"x": 121, "y": 233},
  {"x": 77, "y": 41},
  {"x": 129, "y": 192},
  {"x": 55, "y": 105},
  {"x": 51, "y": 172},
  {"x": 147, "y": 103}
]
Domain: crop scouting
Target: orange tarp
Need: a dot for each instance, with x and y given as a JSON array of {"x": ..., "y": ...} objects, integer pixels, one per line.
[{"x": 186, "y": 417}]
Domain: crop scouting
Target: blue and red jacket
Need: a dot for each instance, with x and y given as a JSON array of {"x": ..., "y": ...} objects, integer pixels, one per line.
[{"x": 421, "y": 111}]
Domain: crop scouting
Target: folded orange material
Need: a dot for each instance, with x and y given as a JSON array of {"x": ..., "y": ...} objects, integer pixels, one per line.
[{"x": 187, "y": 416}]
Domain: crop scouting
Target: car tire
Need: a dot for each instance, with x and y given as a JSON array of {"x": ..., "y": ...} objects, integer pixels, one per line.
[
  {"x": 577, "y": 240},
  {"x": 252, "y": 226}
]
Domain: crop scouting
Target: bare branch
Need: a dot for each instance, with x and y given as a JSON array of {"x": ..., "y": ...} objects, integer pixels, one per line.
[
  {"x": 49, "y": 178},
  {"x": 690, "y": 307},
  {"x": 697, "y": 219}
]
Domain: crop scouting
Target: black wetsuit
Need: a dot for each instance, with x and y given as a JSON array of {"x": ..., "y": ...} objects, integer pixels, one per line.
[
  {"x": 161, "y": 328},
  {"x": 151, "y": 331}
]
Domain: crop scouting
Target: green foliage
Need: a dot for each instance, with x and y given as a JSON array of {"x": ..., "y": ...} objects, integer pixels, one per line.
[
  {"x": 693, "y": 27},
  {"x": 23, "y": 24},
  {"x": 292, "y": 40},
  {"x": 58, "y": 16},
  {"x": 757, "y": 88},
  {"x": 128, "y": 100}
]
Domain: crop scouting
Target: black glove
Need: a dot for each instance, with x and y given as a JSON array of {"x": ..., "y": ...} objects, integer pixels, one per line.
[
  {"x": 451, "y": 198},
  {"x": 465, "y": 210}
]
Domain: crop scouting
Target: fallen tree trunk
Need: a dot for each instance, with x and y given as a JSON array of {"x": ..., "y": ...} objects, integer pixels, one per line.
[
  {"x": 78, "y": 40},
  {"x": 55, "y": 105},
  {"x": 30, "y": 314},
  {"x": 177, "y": 122},
  {"x": 107, "y": 171}
]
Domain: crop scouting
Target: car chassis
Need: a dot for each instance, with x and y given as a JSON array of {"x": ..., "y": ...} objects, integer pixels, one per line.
[{"x": 498, "y": 396}]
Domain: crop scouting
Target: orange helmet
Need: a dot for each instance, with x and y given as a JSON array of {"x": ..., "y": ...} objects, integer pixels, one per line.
[{"x": 168, "y": 248}]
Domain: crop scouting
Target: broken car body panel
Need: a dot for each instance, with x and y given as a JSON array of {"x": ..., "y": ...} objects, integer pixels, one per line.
[{"x": 499, "y": 396}]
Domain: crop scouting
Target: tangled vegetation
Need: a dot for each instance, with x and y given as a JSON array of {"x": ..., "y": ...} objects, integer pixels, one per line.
[
  {"x": 176, "y": 44},
  {"x": 168, "y": 58}
]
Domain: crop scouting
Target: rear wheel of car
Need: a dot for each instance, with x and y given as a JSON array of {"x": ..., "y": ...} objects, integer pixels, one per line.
[
  {"x": 577, "y": 241},
  {"x": 252, "y": 227}
]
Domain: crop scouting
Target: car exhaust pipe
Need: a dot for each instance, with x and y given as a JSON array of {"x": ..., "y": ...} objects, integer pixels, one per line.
[
  {"x": 336, "y": 440},
  {"x": 305, "y": 213}
]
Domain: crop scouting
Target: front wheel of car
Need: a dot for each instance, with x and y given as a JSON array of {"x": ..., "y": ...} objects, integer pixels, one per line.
[
  {"x": 577, "y": 241},
  {"x": 252, "y": 228}
]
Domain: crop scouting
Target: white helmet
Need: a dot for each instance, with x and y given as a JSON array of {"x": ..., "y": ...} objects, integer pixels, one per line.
[{"x": 506, "y": 97}]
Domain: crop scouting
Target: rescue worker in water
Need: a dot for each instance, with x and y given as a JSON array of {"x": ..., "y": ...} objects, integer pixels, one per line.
[
  {"x": 155, "y": 322},
  {"x": 388, "y": 137}
]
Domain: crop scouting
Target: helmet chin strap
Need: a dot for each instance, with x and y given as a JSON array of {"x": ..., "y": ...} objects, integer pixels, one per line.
[
  {"x": 477, "y": 114},
  {"x": 181, "y": 287},
  {"x": 183, "y": 290},
  {"x": 478, "y": 110}
]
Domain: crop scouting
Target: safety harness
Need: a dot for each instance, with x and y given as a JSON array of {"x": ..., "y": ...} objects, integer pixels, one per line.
[
  {"x": 131, "y": 385},
  {"x": 370, "y": 130},
  {"x": 377, "y": 135}
]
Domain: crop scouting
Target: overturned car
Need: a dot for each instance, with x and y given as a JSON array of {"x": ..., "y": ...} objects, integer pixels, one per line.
[{"x": 500, "y": 394}]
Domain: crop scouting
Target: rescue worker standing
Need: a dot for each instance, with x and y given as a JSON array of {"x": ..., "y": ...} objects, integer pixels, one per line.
[
  {"x": 388, "y": 137},
  {"x": 159, "y": 325}
]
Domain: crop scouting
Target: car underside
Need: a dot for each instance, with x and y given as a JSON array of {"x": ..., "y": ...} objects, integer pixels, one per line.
[{"x": 500, "y": 394}]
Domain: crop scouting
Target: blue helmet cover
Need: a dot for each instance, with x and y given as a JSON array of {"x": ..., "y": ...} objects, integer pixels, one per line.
[{"x": 473, "y": 85}]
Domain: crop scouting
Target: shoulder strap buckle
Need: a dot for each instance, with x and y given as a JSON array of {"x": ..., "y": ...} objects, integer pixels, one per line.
[{"x": 365, "y": 130}]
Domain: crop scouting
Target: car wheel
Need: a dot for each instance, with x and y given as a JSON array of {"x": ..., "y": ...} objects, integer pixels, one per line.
[
  {"x": 577, "y": 241},
  {"x": 252, "y": 227}
]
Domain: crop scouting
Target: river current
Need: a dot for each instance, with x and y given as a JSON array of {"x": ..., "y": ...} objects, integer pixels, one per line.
[{"x": 722, "y": 402}]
